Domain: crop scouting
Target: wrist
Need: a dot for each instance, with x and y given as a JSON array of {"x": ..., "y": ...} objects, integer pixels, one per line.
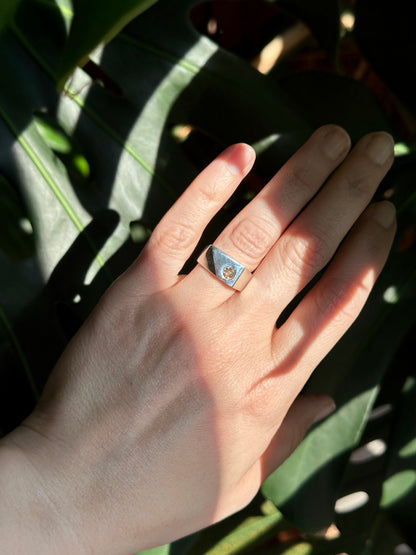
[{"x": 31, "y": 518}]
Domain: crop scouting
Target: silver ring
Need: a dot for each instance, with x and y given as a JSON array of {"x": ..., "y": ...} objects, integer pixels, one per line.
[{"x": 225, "y": 268}]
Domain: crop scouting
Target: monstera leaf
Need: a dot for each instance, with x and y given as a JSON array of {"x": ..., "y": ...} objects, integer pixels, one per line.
[
  {"x": 7, "y": 10},
  {"x": 87, "y": 171},
  {"x": 84, "y": 37},
  {"x": 116, "y": 127}
]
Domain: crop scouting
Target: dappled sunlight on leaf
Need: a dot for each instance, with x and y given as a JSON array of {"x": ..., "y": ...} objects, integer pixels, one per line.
[
  {"x": 408, "y": 450},
  {"x": 391, "y": 295},
  {"x": 397, "y": 487},
  {"x": 351, "y": 502},
  {"x": 90, "y": 172},
  {"x": 348, "y": 20},
  {"x": 369, "y": 451}
]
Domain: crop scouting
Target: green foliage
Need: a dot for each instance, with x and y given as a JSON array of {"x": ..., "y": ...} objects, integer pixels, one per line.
[
  {"x": 95, "y": 22},
  {"x": 62, "y": 145},
  {"x": 86, "y": 173},
  {"x": 7, "y": 11},
  {"x": 16, "y": 233}
]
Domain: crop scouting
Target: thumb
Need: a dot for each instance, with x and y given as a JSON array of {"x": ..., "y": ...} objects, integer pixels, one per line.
[{"x": 305, "y": 411}]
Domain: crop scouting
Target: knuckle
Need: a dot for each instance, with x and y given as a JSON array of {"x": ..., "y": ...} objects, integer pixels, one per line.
[
  {"x": 219, "y": 181},
  {"x": 260, "y": 402},
  {"x": 339, "y": 300},
  {"x": 330, "y": 298},
  {"x": 360, "y": 183},
  {"x": 176, "y": 236},
  {"x": 210, "y": 191},
  {"x": 298, "y": 183},
  {"x": 253, "y": 237},
  {"x": 305, "y": 255},
  {"x": 299, "y": 180}
]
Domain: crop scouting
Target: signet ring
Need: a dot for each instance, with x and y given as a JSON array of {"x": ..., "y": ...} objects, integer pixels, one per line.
[{"x": 225, "y": 268}]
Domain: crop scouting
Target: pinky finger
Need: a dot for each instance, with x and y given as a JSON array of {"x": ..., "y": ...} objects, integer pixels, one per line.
[
  {"x": 305, "y": 411},
  {"x": 333, "y": 304}
]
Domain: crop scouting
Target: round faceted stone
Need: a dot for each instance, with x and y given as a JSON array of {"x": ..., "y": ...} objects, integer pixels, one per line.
[{"x": 228, "y": 272}]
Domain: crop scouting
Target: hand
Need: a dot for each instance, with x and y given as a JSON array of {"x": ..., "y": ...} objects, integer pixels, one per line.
[{"x": 179, "y": 396}]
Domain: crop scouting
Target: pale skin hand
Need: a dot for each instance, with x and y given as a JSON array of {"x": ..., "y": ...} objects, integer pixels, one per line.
[{"x": 179, "y": 396}]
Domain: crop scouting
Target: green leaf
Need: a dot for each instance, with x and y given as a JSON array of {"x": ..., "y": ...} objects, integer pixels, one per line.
[
  {"x": 15, "y": 342},
  {"x": 385, "y": 539},
  {"x": 169, "y": 76},
  {"x": 247, "y": 536},
  {"x": 95, "y": 22},
  {"x": 52, "y": 134},
  {"x": 120, "y": 124},
  {"x": 302, "y": 548},
  {"x": 7, "y": 10},
  {"x": 398, "y": 486},
  {"x": 322, "y": 97},
  {"x": 162, "y": 550},
  {"x": 253, "y": 531},
  {"x": 318, "y": 464},
  {"x": 63, "y": 146},
  {"x": 352, "y": 374},
  {"x": 16, "y": 231},
  {"x": 399, "y": 489}
]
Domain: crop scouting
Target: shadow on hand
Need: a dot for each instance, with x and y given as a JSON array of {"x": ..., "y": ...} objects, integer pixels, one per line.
[{"x": 52, "y": 318}]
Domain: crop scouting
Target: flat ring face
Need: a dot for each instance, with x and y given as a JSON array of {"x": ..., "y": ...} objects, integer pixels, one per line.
[{"x": 225, "y": 268}]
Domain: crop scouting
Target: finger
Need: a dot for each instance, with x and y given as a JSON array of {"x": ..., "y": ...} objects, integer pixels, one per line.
[
  {"x": 249, "y": 237},
  {"x": 332, "y": 305},
  {"x": 306, "y": 411},
  {"x": 312, "y": 239},
  {"x": 177, "y": 234}
]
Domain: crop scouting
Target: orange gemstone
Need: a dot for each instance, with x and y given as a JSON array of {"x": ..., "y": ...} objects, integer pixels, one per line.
[{"x": 228, "y": 273}]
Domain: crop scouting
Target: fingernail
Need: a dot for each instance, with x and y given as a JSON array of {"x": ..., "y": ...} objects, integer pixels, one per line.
[
  {"x": 384, "y": 213},
  {"x": 336, "y": 142},
  {"x": 238, "y": 158},
  {"x": 380, "y": 148},
  {"x": 327, "y": 407}
]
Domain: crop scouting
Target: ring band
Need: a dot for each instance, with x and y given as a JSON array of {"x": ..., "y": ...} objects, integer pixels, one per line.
[{"x": 225, "y": 268}]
